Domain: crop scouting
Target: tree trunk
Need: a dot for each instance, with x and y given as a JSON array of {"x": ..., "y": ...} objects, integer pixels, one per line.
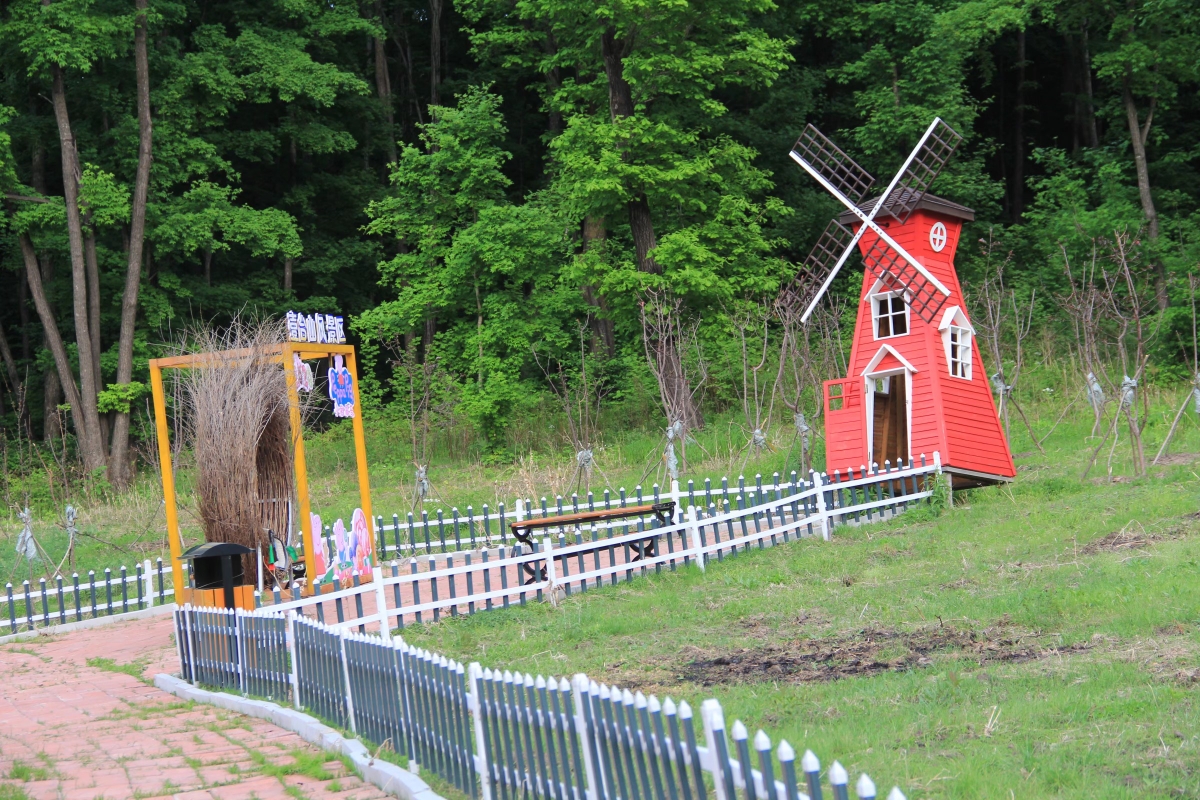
[
  {"x": 287, "y": 273},
  {"x": 435, "y": 51},
  {"x": 208, "y": 266},
  {"x": 83, "y": 399},
  {"x": 1017, "y": 204},
  {"x": 404, "y": 49},
  {"x": 51, "y": 385},
  {"x": 51, "y": 398},
  {"x": 119, "y": 473},
  {"x": 15, "y": 385},
  {"x": 620, "y": 105},
  {"x": 93, "y": 295},
  {"x": 23, "y": 309},
  {"x": 53, "y": 340},
  {"x": 594, "y": 235},
  {"x": 383, "y": 85},
  {"x": 553, "y": 84},
  {"x": 428, "y": 332},
  {"x": 641, "y": 225},
  {"x": 1093, "y": 134},
  {"x": 1138, "y": 135}
]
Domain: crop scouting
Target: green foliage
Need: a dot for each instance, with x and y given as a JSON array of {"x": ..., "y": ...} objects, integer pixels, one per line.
[
  {"x": 118, "y": 396},
  {"x": 480, "y": 206}
]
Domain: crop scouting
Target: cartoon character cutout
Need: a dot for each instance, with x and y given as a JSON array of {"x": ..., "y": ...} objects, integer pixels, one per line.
[
  {"x": 363, "y": 542},
  {"x": 304, "y": 374},
  {"x": 341, "y": 389},
  {"x": 342, "y": 552},
  {"x": 321, "y": 563}
]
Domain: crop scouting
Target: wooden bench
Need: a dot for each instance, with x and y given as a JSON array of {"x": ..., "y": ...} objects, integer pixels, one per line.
[{"x": 522, "y": 529}]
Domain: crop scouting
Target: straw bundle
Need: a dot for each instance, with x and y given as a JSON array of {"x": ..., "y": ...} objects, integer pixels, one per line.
[{"x": 236, "y": 418}]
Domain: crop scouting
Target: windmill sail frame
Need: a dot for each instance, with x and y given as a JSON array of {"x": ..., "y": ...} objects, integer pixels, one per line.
[{"x": 817, "y": 155}]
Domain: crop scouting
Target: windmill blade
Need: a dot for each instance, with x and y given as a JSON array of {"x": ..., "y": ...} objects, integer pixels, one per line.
[
  {"x": 922, "y": 168},
  {"x": 895, "y": 271},
  {"x": 815, "y": 150},
  {"x": 828, "y": 250},
  {"x": 819, "y": 267}
]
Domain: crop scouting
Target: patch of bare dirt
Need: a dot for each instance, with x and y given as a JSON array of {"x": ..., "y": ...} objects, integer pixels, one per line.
[
  {"x": 962, "y": 583},
  {"x": 868, "y": 652},
  {"x": 1172, "y": 459},
  {"x": 1133, "y": 537}
]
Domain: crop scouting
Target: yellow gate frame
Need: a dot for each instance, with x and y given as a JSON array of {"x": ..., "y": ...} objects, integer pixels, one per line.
[{"x": 282, "y": 355}]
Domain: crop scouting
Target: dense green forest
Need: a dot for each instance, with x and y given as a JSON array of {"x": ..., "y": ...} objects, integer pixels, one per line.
[{"x": 490, "y": 190}]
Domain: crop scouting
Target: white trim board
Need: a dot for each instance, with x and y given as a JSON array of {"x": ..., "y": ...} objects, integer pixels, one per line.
[{"x": 869, "y": 370}]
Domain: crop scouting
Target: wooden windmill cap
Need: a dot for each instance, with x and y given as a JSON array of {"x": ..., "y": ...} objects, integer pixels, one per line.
[{"x": 929, "y": 202}]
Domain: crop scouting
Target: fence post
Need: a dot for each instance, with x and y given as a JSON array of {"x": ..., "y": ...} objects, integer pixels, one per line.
[
  {"x": 346, "y": 681},
  {"x": 937, "y": 465},
  {"x": 579, "y": 694},
  {"x": 714, "y": 734},
  {"x": 694, "y": 533},
  {"x": 241, "y": 649},
  {"x": 291, "y": 646},
  {"x": 822, "y": 512},
  {"x": 148, "y": 591},
  {"x": 191, "y": 643},
  {"x": 385, "y": 628},
  {"x": 179, "y": 614},
  {"x": 675, "y": 495},
  {"x": 551, "y": 572},
  {"x": 482, "y": 762}
]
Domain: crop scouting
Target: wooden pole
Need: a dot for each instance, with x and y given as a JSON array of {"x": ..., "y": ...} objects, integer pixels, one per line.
[
  {"x": 299, "y": 465},
  {"x": 168, "y": 478},
  {"x": 1166, "y": 442}
]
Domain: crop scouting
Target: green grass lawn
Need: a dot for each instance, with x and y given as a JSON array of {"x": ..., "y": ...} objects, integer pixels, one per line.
[{"x": 1038, "y": 640}]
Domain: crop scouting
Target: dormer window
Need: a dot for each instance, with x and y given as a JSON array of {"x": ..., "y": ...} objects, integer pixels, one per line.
[
  {"x": 958, "y": 342},
  {"x": 956, "y": 333},
  {"x": 889, "y": 312}
]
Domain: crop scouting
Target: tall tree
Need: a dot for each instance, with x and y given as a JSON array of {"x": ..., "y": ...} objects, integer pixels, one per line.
[
  {"x": 1153, "y": 53},
  {"x": 119, "y": 472}
]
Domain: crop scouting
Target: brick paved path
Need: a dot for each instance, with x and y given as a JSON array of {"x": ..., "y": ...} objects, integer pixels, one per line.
[{"x": 69, "y": 730}]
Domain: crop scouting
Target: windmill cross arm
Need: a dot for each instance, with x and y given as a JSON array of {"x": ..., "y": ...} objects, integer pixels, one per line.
[{"x": 867, "y": 222}]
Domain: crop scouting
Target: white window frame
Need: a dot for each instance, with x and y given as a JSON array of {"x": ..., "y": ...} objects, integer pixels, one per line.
[
  {"x": 959, "y": 367},
  {"x": 876, "y": 316},
  {"x": 955, "y": 323}
]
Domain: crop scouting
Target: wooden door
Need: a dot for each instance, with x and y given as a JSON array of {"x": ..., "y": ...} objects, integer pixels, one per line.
[{"x": 890, "y": 420}]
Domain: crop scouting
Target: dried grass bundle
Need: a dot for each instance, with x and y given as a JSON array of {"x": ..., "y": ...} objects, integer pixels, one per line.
[{"x": 236, "y": 421}]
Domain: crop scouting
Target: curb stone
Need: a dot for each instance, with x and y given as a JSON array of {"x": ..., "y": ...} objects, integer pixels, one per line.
[
  {"x": 389, "y": 777},
  {"x": 90, "y": 622}
]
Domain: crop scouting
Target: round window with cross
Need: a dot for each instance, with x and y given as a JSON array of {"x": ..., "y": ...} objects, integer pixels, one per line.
[{"x": 937, "y": 237}]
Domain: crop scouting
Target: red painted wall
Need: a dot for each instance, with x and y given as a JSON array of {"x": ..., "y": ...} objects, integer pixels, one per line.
[{"x": 954, "y": 416}]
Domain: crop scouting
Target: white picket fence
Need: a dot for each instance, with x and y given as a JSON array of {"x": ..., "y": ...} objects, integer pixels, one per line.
[
  {"x": 579, "y": 557},
  {"x": 495, "y": 734},
  {"x": 109, "y": 593}
]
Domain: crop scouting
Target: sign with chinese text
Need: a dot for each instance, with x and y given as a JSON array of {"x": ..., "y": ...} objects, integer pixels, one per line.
[{"x": 317, "y": 328}]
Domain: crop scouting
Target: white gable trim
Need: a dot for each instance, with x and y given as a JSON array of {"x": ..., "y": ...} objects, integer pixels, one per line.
[
  {"x": 955, "y": 316},
  {"x": 883, "y": 351},
  {"x": 880, "y": 288}
]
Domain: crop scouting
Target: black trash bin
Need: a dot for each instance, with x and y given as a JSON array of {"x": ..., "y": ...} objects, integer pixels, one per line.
[{"x": 217, "y": 576}]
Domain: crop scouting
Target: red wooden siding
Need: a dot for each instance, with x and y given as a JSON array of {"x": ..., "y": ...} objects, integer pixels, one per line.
[
  {"x": 845, "y": 427},
  {"x": 953, "y": 416}
]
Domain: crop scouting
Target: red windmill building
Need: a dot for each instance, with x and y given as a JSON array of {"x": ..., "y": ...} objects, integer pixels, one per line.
[{"x": 916, "y": 382}]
